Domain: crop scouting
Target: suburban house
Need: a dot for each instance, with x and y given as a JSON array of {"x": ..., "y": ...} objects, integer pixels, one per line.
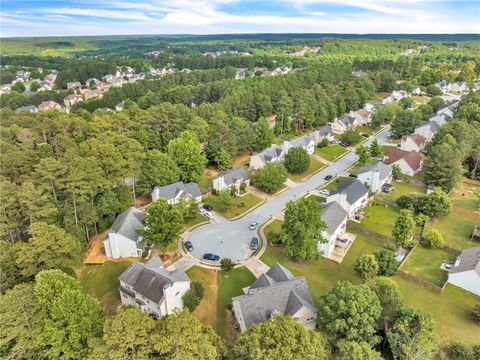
[
  {"x": 276, "y": 153},
  {"x": 363, "y": 116},
  {"x": 231, "y": 179},
  {"x": 92, "y": 94},
  {"x": 22, "y": 75},
  {"x": 276, "y": 292},
  {"x": 459, "y": 86},
  {"x": 29, "y": 108},
  {"x": 465, "y": 273},
  {"x": 325, "y": 132},
  {"x": 444, "y": 86},
  {"x": 176, "y": 192},
  {"x": 152, "y": 289},
  {"x": 335, "y": 217},
  {"x": 415, "y": 142},
  {"x": 410, "y": 162},
  {"x": 350, "y": 195},
  {"x": 71, "y": 100},
  {"x": 48, "y": 105},
  {"x": 124, "y": 238},
  {"x": 427, "y": 129},
  {"x": 441, "y": 118},
  {"x": 395, "y": 96},
  {"x": 375, "y": 176},
  {"x": 73, "y": 85},
  {"x": 241, "y": 72},
  {"x": 341, "y": 124}
]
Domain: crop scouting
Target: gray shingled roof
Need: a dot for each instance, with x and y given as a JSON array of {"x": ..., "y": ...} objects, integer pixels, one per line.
[
  {"x": 286, "y": 296},
  {"x": 270, "y": 153},
  {"x": 232, "y": 176},
  {"x": 31, "y": 108},
  {"x": 325, "y": 130},
  {"x": 354, "y": 190},
  {"x": 149, "y": 281},
  {"x": 170, "y": 191},
  {"x": 346, "y": 120},
  {"x": 301, "y": 141},
  {"x": 468, "y": 260},
  {"x": 383, "y": 169},
  {"x": 129, "y": 223},
  {"x": 333, "y": 215}
]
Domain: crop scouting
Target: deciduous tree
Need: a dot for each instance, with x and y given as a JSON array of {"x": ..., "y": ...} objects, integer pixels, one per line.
[
  {"x": 404, "y": 228},
  {"x": 270, "y": 178},
  {"x": 366, "y": 267},
  {"x": 185, "y": 151},
  {"x": 297, "y": 160},
  {"x": 163, "y": 224},
  {"x": 157, "y": 169}
]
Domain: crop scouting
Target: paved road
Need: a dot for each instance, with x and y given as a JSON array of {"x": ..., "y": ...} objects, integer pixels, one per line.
[{"x": 232, "y": 238}]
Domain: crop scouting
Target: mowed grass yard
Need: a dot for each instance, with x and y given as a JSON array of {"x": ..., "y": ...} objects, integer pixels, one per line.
[
  {"x": 332, "y": 185},
  {"x": 315, "y": 166},
  {"x": 425, "y": 263},
  {"x": 450, "y": 310},
  {"x": 403, "y": 188},
  {"x": 101, "y": 282},
  {"x": 380, "y": 218},
  {"x": 239, "y": 204},
  {"x": 331, "y": 152}
]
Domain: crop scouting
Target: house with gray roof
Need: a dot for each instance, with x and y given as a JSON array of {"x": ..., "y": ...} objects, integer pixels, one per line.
[
  {"x": 152, "y": 289},
  {"x": 427, "y": 129},
  {"x": 465, "y": 273},
  {"x": 29, "y": 108},
  {"x": 176, "y": 192},
  {"x": 276, "y": 292},
  {"x": 335, "y": 217},
  {"x": 375, "y": 176},
  {"x": 459, "y": 86},
  {"x": 350, "y": 195},
  {"x": 341, "y": 124},
  {"x": 124, "y": 239},
  {"x": 232, "y": 179},
  {"x": 324, "y": 132}
]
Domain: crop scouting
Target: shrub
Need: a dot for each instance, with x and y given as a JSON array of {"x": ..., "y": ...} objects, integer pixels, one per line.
[
  {"x": 433, "y": 238},
  {"x": 387, "y": 260},
  {"x": 475, "y": 314},
  {"x": 198, "y": 288},
  {"x": 476, "y": 351},
  {"x": 367, "y": 266},
  {"x": 297, "y": 160},
  {"x": 323, "y": 143},
  {"x": 226, "y": 264},
  {"x": 274, "y": 238},
  {"x": 460, "y": 351},
  {"x": 190, "y": 300}
]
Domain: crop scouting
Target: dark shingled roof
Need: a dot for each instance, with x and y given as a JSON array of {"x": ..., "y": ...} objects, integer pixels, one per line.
[
  {"x": 354, "y": 190},
  {"x": 129, "y": 223},
  {"x": 232, "y": 176},
  {"x": 468, "y": 260},
  {"x": 169, "y": 192},
  {"x": 333, "y": 215}
]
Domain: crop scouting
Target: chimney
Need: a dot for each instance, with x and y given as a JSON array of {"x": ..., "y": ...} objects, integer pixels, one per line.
[{"x": 375, "y": 182}]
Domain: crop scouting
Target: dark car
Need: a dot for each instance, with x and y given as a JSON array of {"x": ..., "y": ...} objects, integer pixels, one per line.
[
  {"x": 254, "y": 243},
  {"x": 365, "y": 135},
  {"x": 328, "y": 177},
  {"x": 208, "y": 207},
  {"x": 344, "y": 144},
  {"x": 188, "y": 246},
  {"x": 211, "y": 257},
  {"x": 353, "y": 175}
]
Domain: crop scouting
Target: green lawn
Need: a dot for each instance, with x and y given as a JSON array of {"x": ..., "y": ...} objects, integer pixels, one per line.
[
  {"x": 101, "y": 281},
  {"x": 229, "y": 287},
  {"x": 206, "y": 310},
  {"x": 275, "y": 226},
  {"x": 425, "y": 263},
  {"x": 315, "y": 165},
  {"x": 466, "y": 196},
  {"x": 402, "y": 188},
  {"x": 367, "y": 129},
  {"x": 206, "y": 181},
  {"x": 330, "y": 152},
  {"x": 380, "y": 218},
  {"x": 450, "y": 310},
  {"x": 457, "y": 229},
  {"x": 239, "y": 205},
  {"x": 358, "y": 166},
  {"x": 199, "y": 218},
  {"x": 333, "y": 184},
  {"x": 420, "y": 99}
]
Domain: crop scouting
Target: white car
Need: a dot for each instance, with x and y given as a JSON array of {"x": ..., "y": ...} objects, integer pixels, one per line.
[
  {"x": 324, "y": 192},
  {"x": 209, "y": 215}
]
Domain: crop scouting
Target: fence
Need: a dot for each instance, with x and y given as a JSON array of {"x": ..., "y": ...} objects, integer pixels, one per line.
[
  {"x": 423, "y": 283},
  {"x": 369, "y": 232}
]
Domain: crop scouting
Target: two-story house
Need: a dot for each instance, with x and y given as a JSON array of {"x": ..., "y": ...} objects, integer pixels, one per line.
[
  {"x": 177, "y": 192},
  {"x": 409, "y": 162},
  {"x": 350, "y": 195},
  {"x": 234, "y": 178},
  {"x": 335, "y": 217},
  {"x": 375, "y": 176},
  {"x": 414, "y": 142}
]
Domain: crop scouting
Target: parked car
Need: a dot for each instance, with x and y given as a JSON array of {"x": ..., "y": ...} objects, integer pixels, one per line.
[
  {"x": 376, "y": 158},
  {"x": 353, "y": 175},
  {"x": 328, "y": 177},
  {"x": 209, "y": 215},
  {"x": 208, "y": 207},
  {"x": 324, "y": 192},
  {"x": 344, "y": 144},
  {"x": 211, "y": 257},
  {"x": 365, "y": 135},
  {"x": 254, "y": 243},
  {"x": 253, "y": 225},
  {"x": 188, "y": 246}
]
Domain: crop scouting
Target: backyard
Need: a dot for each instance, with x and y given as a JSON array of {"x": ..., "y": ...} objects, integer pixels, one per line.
[
  {"x": 380, "y": 218},
  {"x": 403, "y": 188},
  {"x": 425, "y": 263},
  {"x": 238, "y": 206},
  {"x": 457, "y": 229},
  {"x": 331, "y": 152},
  {"x": 101, "y": 282},
  {"x": 206, "y": 179},
  {"x": 315, "y": 166}
]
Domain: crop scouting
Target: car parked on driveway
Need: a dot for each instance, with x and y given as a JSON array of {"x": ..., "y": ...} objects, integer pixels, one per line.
[
  {"x": 365, "y": 135},
  {"x": 253, "y": 225},
  {"x": 211, "y": 257},
  {"x": 209, "y": 215},
  {"x": 254, "y": 243},
  {"x": 188, "y": 245},
  {"x": 208, "y": 207},
  {"x": 328, "y": 177},
  {"x": 353, "y": 175},
  {"x": 344, "y": 144},
  {"x": 324, "y": 192}
]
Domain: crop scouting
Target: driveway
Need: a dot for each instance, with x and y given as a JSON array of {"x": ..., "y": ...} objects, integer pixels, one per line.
[{"x": 231, "y": 239}]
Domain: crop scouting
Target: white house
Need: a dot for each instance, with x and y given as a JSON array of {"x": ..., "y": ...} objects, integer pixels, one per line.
[
  {"x": 176, "y": 192},
  {"x": 341, "y": 124},
  {"x": 231, "y": 179},
  {"x": 276, "y": 292},
  {"x": 325, "y": 132},
  {"x": 415, "y": 142},
  {"x": 444, "y": 86},
  {"x": 427, "y": 129},
  {"x": 375, "y": 176},
  {"x": 395, "y": 96},
  {"x": 335, "y": 217},
  {"x": 73, "y": 85},
  {"x": 124, "y": 238},
  {"x": 305, "y": 142},
  {"x": 72, "y": 99},
  {"x": 459, "y": 86},
  {"x": 410, "y": 162},
  {"x": 152, "y": 289},
  {"x": 29, "y": 108},
  {"x": 465, "y": 273},
  {"x": 350, "y": 195},
  {"x": 363, "y": 116}
]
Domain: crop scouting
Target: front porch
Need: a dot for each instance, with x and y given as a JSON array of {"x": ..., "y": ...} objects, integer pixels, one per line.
[{"x": 342, "y": 244}]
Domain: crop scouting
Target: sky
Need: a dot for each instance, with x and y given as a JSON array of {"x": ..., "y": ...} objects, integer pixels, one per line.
[{"x": 122, "y": 17}]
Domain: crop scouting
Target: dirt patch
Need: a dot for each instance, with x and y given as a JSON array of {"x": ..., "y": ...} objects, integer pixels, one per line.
[
  {"x": 212, "y": 172},
  {"x": 142, "y": 200},
  {"x": 241, "y": 159}
]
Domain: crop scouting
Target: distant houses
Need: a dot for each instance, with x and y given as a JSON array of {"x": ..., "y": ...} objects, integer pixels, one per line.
[
  {"x": 465, "y": 272},
  {"x": 232, "y": 179},
  {"x": 72, "y": 99},
  {"x": 415, "y": 142},
  {"x": 152, "y": 289},
  {"x": 410, "y": 162},
  {"x": 48, "y": 105},
  {"x": 343, "y": 123},
  {"x": 177, "y": 192},
  {"x": 28, "y": 108},
  {"x": 276, "y": 292}
]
